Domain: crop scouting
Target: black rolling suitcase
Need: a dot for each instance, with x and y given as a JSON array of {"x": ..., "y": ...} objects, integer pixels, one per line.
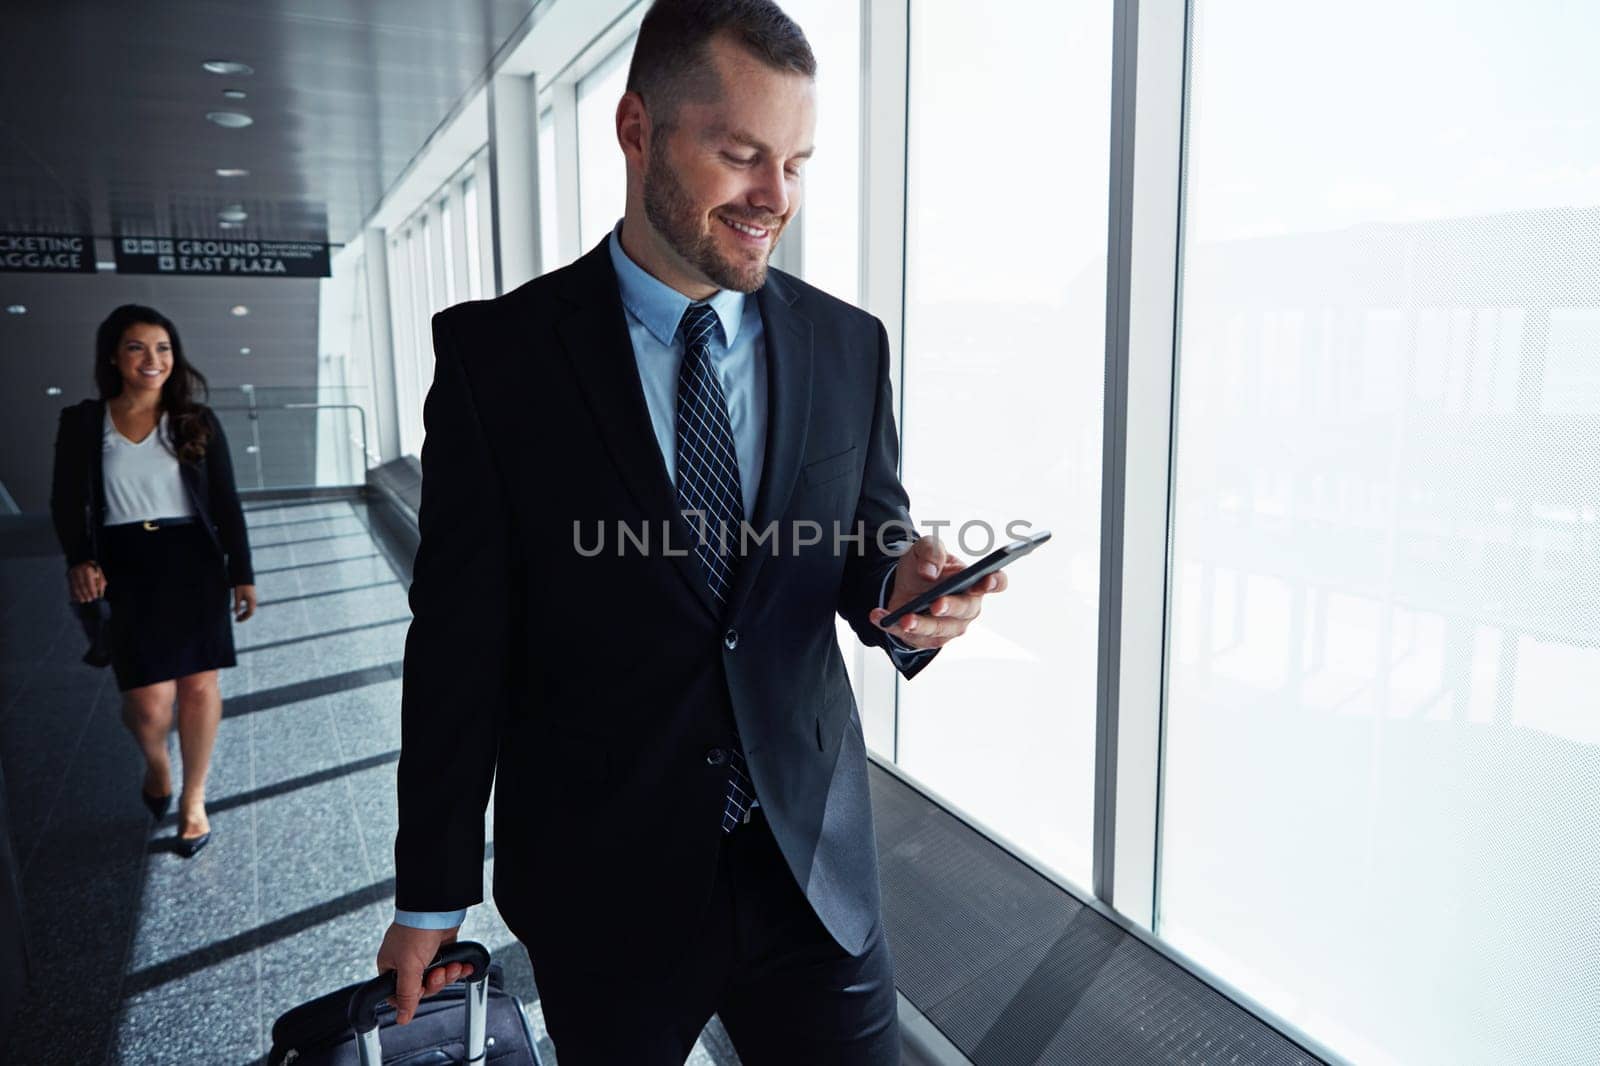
[{"x": 475, "y": 1021}]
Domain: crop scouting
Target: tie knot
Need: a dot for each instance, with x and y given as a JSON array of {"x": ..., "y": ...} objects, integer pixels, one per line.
[{"x": 699, "y": 319}]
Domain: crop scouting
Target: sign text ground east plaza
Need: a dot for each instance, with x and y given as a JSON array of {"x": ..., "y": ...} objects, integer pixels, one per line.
[{"x": 238, "y": 258}]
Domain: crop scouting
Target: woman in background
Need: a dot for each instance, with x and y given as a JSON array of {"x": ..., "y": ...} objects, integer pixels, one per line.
[{"x": 147, "y": 512}]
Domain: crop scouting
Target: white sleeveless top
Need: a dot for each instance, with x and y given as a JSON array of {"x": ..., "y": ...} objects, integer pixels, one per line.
[{"x": 142, "y": 480}]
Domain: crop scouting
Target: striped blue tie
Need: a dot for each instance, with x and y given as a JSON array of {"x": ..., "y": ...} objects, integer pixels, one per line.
[{"x": 709, "y": 493}]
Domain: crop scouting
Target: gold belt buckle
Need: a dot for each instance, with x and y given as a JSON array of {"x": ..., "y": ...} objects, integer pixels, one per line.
[{"x": 150, "y": 524}]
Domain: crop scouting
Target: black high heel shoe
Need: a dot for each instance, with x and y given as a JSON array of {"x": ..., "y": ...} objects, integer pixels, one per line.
[
  {"x": 157, "y": 805},
  {"x": 189, "y": 847}
]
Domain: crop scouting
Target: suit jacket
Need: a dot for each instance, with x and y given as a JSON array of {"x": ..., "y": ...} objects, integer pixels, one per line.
[
  {"x": 78, "y": 497},
  {"x": 592, "y": 691}
]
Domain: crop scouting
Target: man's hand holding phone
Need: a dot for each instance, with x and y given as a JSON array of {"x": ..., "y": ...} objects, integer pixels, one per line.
[{"x": 924, "y": 565}]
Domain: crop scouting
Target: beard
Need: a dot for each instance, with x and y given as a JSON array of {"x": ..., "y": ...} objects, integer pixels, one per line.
[{"x": 671, "y": 210}]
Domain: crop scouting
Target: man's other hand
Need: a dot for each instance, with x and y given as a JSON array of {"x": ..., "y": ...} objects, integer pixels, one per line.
[
  {"x": 407, "y": 952},
  {"x": 924, "y": 565}
]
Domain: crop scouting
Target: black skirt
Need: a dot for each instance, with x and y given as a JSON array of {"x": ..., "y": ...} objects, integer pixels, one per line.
[{"x": 171, "y": 605}]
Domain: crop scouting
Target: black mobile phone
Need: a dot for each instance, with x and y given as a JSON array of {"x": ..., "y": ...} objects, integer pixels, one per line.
[{"x": 967, "y": 577}]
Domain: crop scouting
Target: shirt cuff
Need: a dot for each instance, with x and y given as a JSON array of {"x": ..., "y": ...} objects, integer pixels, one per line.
[
  {"x": 430, "y": 919},
  {"x": 899, "y": 650}
]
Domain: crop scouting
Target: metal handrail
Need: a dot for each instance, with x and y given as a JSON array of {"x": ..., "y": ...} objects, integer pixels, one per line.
[
  {"x": 357, "y": 408},
  {"x": 254, "y": 411}
]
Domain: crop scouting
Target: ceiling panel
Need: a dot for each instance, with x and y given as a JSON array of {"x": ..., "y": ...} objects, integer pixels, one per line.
[
  {"x": 103, "y": 131},
  {"x": 103, "y": 126}
]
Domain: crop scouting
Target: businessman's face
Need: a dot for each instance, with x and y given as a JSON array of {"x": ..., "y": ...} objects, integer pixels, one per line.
[{"x": 723, "y": 182}]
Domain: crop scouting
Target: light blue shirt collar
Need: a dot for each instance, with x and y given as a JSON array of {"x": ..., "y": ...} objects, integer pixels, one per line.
[{"x": 659, "y": 307}]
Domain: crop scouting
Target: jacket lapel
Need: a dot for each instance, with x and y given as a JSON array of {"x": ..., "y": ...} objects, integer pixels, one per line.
[
  {"x": 94, "y": 438},
  {"x": 198, "y": 499},
  {"x": 595, "y": 335},
  {"x": 93, "y": 414},
  {"x": 788, "y": 338}
]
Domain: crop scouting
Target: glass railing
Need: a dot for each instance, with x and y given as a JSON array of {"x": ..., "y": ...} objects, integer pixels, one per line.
[
  {"x": 278, "y": 395},
  {"x": 289, "y": 438}
]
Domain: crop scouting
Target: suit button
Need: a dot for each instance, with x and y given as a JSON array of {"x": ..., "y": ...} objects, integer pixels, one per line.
[
  {"x": 730, "y": 639},
  {"x": 716, "y": 757}
]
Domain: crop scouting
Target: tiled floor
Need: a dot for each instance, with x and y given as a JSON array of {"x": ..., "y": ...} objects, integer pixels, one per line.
[{"x": 144, "y": 957}]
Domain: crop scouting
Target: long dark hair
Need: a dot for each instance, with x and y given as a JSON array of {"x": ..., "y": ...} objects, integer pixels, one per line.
[{"x": 188, "y": 433}]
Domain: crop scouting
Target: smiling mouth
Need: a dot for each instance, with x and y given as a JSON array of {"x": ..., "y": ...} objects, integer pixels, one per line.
[{"x": 744, "y": 229}]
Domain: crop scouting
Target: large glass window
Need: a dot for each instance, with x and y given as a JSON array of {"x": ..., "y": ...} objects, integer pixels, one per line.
[
  {"x": 1382, "y": 752},
  {"x": 469, "y": 211},
  {"x": 1005, "y": 355},
  {"x": 447, "y": 240},
  {"x": 421, "y": 300},
  {"x": 830, "y": 213},
  {"x": 549, "y": 206},
  {"x": 403, "y": 324},
  {"x": 602, "y": 177},
  {"x": 430, "y": 283}
]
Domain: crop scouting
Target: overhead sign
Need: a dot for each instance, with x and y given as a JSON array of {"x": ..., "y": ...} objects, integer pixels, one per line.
[
  {"x": 46, "y": 253},
  {"x": 221, "y": 258}
]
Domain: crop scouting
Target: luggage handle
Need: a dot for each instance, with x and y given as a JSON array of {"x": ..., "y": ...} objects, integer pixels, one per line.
[{"x": 365, "y": 1001}]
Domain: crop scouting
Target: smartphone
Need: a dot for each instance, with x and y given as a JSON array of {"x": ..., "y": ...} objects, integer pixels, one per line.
[{"x": 967, "y": 577}]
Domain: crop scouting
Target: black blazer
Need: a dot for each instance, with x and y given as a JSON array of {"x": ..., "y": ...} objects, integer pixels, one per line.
[
  {"x": 78, "y": 498},
  {"x": 591, "y": 692}
]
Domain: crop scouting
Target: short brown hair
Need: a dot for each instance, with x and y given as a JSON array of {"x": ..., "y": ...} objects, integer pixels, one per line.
[{"x": 670, "y": 65}]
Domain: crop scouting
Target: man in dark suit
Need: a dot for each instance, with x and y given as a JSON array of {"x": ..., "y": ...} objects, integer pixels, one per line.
[{"x": 651, "y": 479}]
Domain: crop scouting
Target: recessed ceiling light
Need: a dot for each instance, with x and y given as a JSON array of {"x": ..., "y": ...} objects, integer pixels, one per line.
[
  {"x": 233, "y": 213},
  {"x": 16, "y": 309},
  {"x": 227, "y": 66},
  {"x": 233, "y": 120},
  {"x": 231, "y": 225},
  {"x": 232, "y": 172},
  {"x": 235, "y": 94},
  {"x": 244, "y": 351},
  {"x": 238, "y": 310},
  {"x": 53, "y": 390}
]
